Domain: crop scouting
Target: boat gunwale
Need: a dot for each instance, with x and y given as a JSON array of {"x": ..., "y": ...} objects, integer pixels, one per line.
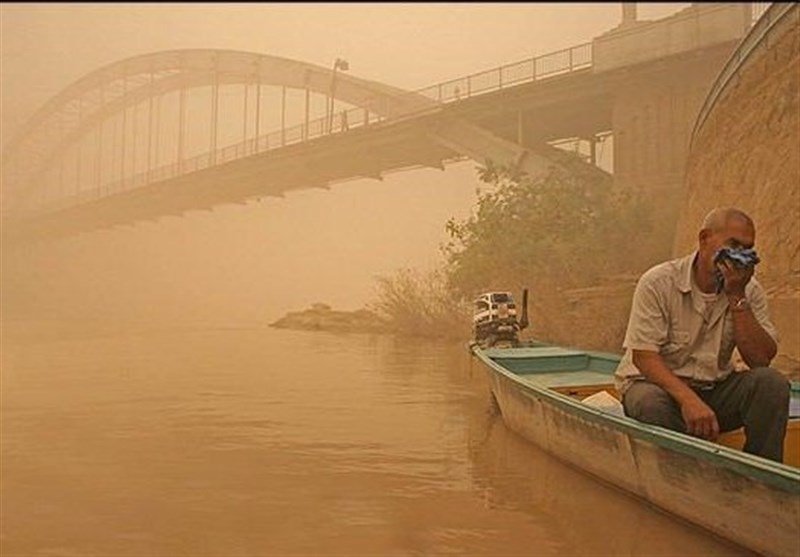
[{"x": 777, "y": 474}]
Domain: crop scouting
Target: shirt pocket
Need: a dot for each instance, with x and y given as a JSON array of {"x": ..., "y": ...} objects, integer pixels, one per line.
[{"x": 677, "y": 340}]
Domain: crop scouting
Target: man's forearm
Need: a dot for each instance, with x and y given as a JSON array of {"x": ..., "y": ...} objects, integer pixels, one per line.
[
  {"x": 652, "y": 366},
  {"x": 699, "y": 419},
  {"x": 754, "y": 343}
]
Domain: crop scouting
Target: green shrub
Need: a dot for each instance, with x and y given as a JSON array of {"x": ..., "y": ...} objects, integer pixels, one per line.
[
  {"x": 416, "y": 303},
  {"x": 547, "y": 234},
  {"x": 557, "y": 228}
]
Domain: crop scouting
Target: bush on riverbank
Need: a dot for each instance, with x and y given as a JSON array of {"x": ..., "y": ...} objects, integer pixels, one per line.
[
  {"x": 550, "y": 234},
  {"x": 421, "y": 304},
  {"x": 558, "y": 228}
]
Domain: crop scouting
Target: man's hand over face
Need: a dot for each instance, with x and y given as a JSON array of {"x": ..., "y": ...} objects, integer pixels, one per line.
[{"x": 736, "y": 278}]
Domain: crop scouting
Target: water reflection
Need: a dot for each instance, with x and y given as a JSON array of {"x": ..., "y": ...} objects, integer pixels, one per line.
[
  {"x": 262, "y": 442},
  {"x": 584, "y": 516}
]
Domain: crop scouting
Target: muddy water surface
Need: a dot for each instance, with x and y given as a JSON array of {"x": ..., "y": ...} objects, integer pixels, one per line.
[{"x": 253, "y": 441}]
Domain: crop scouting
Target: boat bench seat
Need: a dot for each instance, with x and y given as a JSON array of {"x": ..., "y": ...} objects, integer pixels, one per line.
[
  {"x": 577, "y": 384},
  {"x": 557, "y": 380}
]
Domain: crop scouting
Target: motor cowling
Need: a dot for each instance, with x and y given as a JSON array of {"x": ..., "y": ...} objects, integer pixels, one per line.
[{"x": 495, "y": 318}]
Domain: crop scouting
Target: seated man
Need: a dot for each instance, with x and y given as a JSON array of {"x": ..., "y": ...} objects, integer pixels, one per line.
[{"x": 687, "y": 317}]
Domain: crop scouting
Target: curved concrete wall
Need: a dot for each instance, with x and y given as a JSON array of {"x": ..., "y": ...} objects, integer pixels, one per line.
[{"x": 747, "y": 154}]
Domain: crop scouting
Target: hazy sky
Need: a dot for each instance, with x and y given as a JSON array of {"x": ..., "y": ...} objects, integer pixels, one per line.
[
  {"x": 45, "y": 47},
  {"x": 313, "y": 245}
]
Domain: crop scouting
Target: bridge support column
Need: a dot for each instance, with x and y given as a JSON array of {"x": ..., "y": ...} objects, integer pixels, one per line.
[
  {"x": 651, "y": 123},
  {"x": 124, "y": 126},
  {"x": 181, "y": 125},
  {"x": 60, "y": 180},
  {"x": 244, "y": 117},
  {"x": 135, "y": 143},
  {"x": 113, "y": 170},
  {"x": 79, "y": 151},
  {"x": 98, "y": 148},
  {"x": 307, "y": 115},
  {"x": 306, "y": 79},
  {"x": 520, "y": 129},
  {"x": 283, "y": 115},
  {"x": 149, "y": 130},
  {"x": 214, "y": 115},
  {"x": 258, "y": 104},
  {"x": 258, "y": 112},
  {"x": 98, "y": 161},
  {"x": 158, "y": 130}
]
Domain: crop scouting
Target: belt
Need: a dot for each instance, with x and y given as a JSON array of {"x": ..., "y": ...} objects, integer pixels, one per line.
[{"x": 699, "y": 385}]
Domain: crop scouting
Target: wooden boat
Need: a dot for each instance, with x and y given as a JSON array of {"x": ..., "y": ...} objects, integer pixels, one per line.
[{"x": 747, "y": 499}]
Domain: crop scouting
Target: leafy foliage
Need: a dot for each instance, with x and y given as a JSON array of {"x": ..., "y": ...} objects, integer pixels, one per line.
[
  {"x": 556, "y": 227},
  {"x": 547, "y": 233}
]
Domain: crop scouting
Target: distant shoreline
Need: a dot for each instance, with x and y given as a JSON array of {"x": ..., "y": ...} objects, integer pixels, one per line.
[{"x": 321, "y": 317}]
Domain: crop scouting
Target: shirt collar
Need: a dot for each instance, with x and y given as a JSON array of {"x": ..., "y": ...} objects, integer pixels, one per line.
[{"x": 685, "y": 265}]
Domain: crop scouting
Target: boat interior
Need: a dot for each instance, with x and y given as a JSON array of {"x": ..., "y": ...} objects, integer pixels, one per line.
[{"x": 581, "y": 374}]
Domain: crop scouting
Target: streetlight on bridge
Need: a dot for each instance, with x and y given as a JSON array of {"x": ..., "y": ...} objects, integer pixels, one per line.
[{"x": 339, "y": 64}]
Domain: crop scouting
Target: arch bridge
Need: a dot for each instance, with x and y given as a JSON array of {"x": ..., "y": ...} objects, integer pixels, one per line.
[{"x": 168, "y": 132}]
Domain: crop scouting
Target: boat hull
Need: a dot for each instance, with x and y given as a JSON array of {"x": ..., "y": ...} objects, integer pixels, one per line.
[{"x": 715, "y": 488}]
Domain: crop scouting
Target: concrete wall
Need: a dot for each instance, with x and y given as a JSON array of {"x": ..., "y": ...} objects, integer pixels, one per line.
[
  {"x": 653, "y": 115},
  {"x": 693, "y": 28},
  {"x": 663, "y": 70},
  {"x": 747, "y": 154}
]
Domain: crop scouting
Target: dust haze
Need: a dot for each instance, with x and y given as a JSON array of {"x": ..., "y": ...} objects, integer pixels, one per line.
[
  {"x": 188, "y": 174},
  {"x": 251, "y": 263}
]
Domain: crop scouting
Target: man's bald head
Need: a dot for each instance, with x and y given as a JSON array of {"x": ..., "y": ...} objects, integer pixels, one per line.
[
  {"x": 717, "y": 219},
  {"x": 724, "y": 227}
]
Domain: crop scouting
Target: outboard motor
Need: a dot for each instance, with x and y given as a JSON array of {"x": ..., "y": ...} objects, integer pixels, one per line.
[{"x": 495, "y": 318}]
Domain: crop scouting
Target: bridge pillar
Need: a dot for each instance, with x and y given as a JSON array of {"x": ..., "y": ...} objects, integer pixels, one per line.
[
  {"x": 214, "y": 119},
  {"x": 628, "y": 13},
  {"x": 652, "y": 123},
  {"x": 307, "y": 118},
  {"x": 662, "y": 72},
  {"x": 79, "y": 152},
  {"x": 258, "y": 105},
  {"x": 98, "y": 157},
  {"x": 150, "y": 129},
  {"x": 283, "y": 115},
  {"x": 181, "y": 126},
  {"x": 244, "y": 117},
  {"x": 123, "y": 135}
]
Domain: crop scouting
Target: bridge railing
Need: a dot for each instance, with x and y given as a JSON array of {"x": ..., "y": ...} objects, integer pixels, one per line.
[
  {"x": 537, "y": 68},
  {"x": 533, "y": 69}
]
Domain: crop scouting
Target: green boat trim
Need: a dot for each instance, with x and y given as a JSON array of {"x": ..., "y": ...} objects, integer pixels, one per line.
[{"x": 779, "y": 475}]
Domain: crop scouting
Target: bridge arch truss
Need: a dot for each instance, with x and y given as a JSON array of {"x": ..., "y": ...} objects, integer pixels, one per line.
[{"x": 107, "y": 131}]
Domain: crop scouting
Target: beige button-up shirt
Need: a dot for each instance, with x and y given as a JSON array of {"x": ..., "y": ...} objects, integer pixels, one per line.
[{"x": 670, "y": 317}]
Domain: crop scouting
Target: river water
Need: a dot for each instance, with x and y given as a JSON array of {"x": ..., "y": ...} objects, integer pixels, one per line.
[{"x": 255, "y": 441}]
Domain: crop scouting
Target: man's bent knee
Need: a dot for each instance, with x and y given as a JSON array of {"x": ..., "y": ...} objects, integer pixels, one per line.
[
  {"x": 770, "y": 382},
  {"x": 651, "y": 404}
]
